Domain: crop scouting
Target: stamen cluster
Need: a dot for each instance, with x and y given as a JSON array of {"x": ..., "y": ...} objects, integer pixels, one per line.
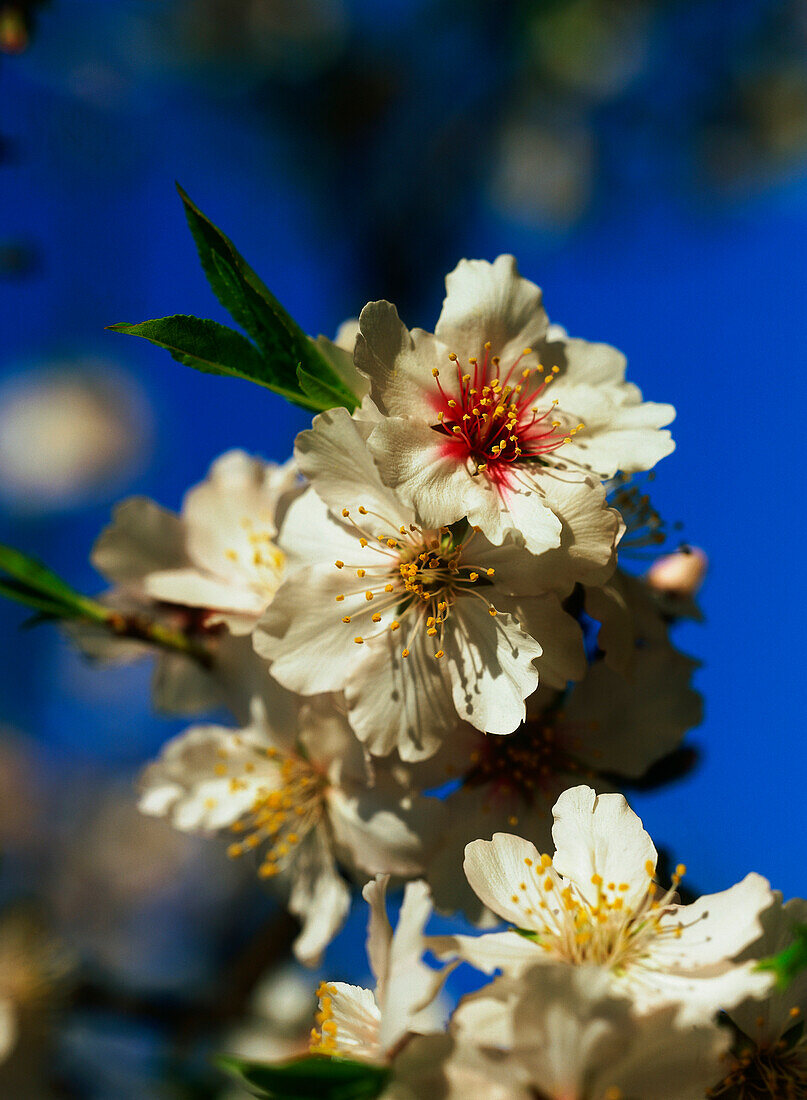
[{"x": 496, "y": 420}]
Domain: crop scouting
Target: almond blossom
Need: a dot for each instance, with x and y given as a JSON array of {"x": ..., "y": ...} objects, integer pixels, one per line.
[
  {"x": 218, "y": 555},
  {"x": 416, "y": 624},
  {"x": 299, "y": 799},
  {"x": 596, "y": 901},
  {"x": 771, "y": 1054},
  {"x": 498, "y": 416},
  {"x": 373, "y": 1024},
  {"x": 560, "y": 1033}
]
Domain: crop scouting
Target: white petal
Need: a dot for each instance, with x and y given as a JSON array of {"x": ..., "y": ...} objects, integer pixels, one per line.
[
  {"x": 240, "y": 495},
  {"x": 490, "y": 661},
  {"x": 398, "y": 363},
  {"x": 505, "y": 874},
  {"x": 601, "y": 835},
  {"x": 302, "y": 632},
  {"x": 357, "y": 1019},
  {"x": 420, "y": 464},
  {"x": 189, "y": 586},
  {"x": 492, "y": 951},
  {"x": 543, "y": 618},
  {"x": 491, "y": 302},
  {"x": 716, "y": 927},
  {"x": 183, "y": 783},
  {"x": 381, "y": 829},
  {"x": 142, "y": 538},
  {"x": 311, "y": 535},
  {"x": 334, "y": 456},
  {"x": 400, "y": 702},
  {"x": 625, "y": 723},
  {"x": 320, "y": 897}
]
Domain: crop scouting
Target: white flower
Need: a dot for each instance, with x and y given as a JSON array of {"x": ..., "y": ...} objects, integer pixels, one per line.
[
  {"x": 217, "y": 555},
  {"x": 471, "y": 429},
  {"x": 559, "y": 1033},
  {"x": 770, "y": 1061},
  {"x": 299, "y": 798},
  {"x": 415, "y": 624},
  {"x": 596, "y": 901},
  {"x": 371, "y": 1024}
]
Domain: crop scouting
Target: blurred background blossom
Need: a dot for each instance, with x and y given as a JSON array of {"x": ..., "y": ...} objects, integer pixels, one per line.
[{"x": 647, "y": 162}]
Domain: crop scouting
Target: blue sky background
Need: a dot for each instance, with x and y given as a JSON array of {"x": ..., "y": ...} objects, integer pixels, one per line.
[{"x": 699, "y": 279}]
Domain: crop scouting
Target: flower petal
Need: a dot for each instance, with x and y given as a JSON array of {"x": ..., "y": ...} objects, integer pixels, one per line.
[
  {"x": 602, "y": 836},
  {"x": 490, "y": 660},
  {"x": 504, "y": 873},
  {"x": 491, "y": 302}
]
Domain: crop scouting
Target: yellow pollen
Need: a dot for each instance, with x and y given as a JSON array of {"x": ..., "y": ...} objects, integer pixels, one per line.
[
  {"x": 346, "y": 618},
  {"x": 490, "y": 572},
  {"x": 435, "y": 372},
  {"x": 362, "y": 542},
  {"x": 492, "y": 611},
  {"x": 376, "y": 618},
  {"x": 439, "y": 654},
  {"x": 404, "y": 652},
  {"x": 368, "y": 595},
  {"x": 474, "y": 576},
  {"x": 340, "y": 597},
  {"x": 359, "y": 641},
  {"x": 339, "y": 564},
  {"x": 361, "y": 572},
  {"x": 362, "y": 510},
  {"x": 345, "y": 512},
  {"x": 394, "y": 625}
]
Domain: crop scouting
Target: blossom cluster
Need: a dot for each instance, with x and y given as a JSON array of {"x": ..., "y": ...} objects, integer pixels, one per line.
[{"x": 432, "y": 660}]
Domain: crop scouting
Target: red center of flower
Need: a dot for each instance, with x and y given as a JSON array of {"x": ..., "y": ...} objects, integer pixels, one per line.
[{"x": 494, "y": 416}]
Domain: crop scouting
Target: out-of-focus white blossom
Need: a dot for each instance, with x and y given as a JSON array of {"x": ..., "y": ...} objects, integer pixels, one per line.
[
  {"x": 69, "y": 434},
  {"x": 770, "y": 1058},
  {"x": 300, "y": 798},
  {"x": 560, "y": 1033},
  {"x": 218, "y": 555}
]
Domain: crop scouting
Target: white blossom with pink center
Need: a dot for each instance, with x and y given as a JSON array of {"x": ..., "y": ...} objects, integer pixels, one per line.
[{"x": 498, "y": 416}]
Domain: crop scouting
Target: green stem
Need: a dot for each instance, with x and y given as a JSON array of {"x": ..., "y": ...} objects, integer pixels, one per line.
[{"x": 140, "y": 628}]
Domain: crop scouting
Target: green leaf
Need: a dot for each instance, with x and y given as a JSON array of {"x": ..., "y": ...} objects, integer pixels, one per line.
[
  {"x": 790, "y": 962},
  {"x": 210, "y": 347},
  {"x": 313, "y": 1077},
  {"x": 13, "y": 590},
  {"x": 26, "y": 580},
  {"x": 326, "y": 394},
  {"x": 283, "y": 344}
]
